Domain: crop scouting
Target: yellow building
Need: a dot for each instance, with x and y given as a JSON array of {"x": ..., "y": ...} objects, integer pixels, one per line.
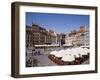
[{"x": 76, "y": 38}]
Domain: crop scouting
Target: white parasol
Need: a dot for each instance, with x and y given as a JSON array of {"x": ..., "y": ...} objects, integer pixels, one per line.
[{"x": 68, "y": 58}]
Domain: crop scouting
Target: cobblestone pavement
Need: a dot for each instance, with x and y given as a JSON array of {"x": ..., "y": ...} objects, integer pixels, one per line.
[{"x": 43, "y": 60}]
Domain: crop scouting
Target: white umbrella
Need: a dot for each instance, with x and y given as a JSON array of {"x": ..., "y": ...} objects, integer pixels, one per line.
[
  {"x": 68, "y": 51},
  {"x": 53, "y": 52},
  {"x": 68, "y": 58},
  {"x": 83, "y": 52},
  {"x": 60, "y": 53},
  {"x": 76, "y": 52},
  {"x": 87, "y": 50}
]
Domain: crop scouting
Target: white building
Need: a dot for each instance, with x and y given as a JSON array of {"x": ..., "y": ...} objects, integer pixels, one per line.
[
  {"x": 87, "y": 38},
  {"x": 78, "y": 38}
]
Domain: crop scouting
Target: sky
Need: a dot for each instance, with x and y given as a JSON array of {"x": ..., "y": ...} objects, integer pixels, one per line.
[{"x": 60, "y": 23}]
